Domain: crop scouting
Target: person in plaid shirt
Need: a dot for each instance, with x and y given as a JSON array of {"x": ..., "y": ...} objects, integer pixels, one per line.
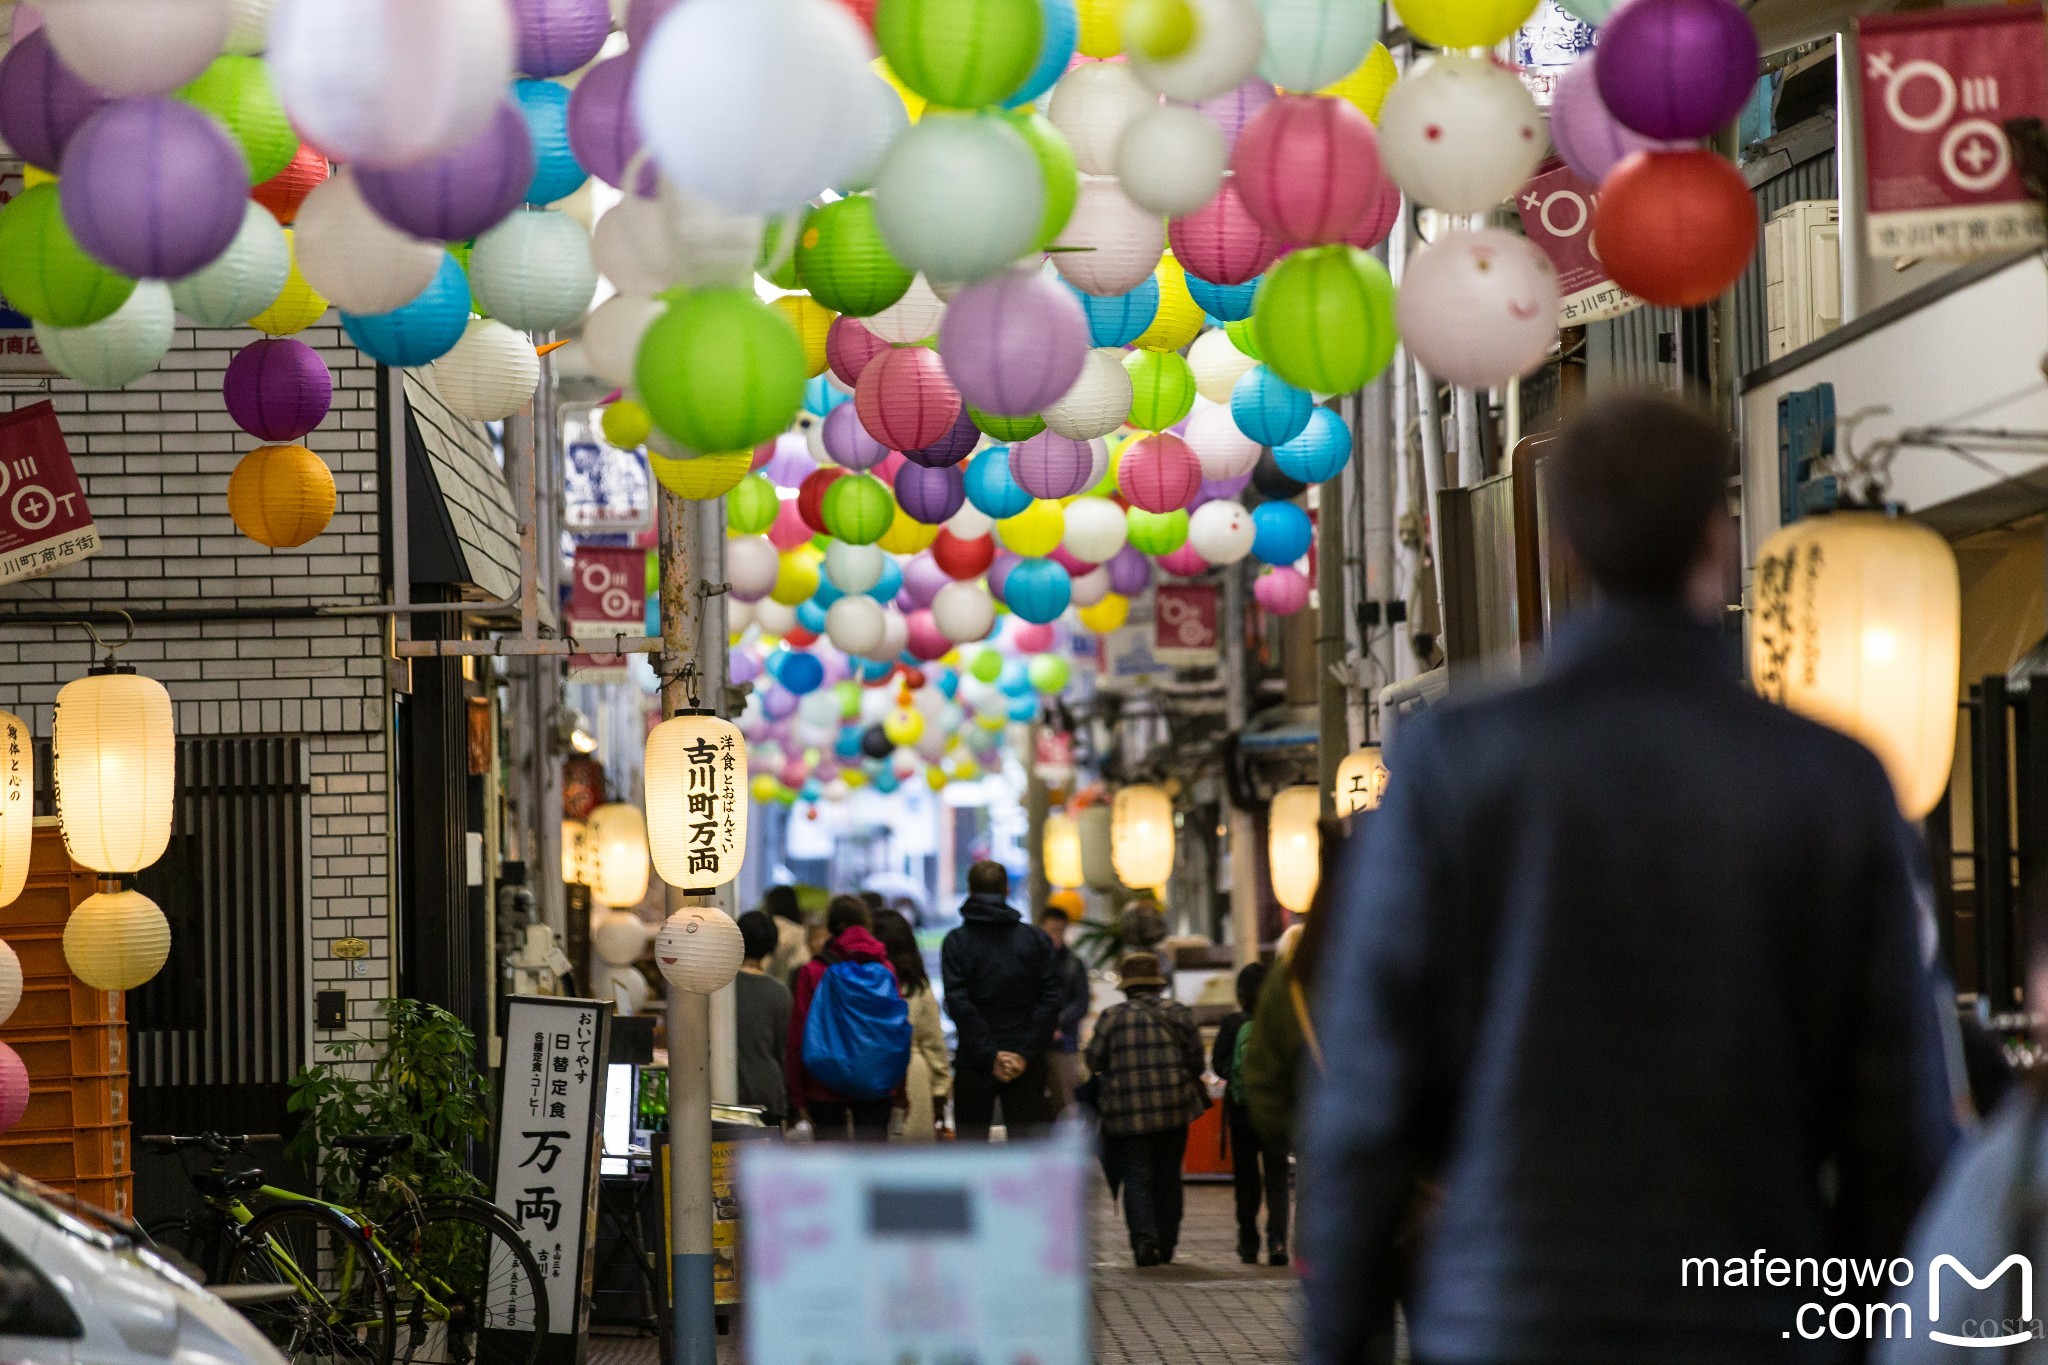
[{"x": 1146, "y": 1058}]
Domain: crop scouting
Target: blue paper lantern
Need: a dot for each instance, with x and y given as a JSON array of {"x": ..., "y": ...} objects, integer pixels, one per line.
[
  {"x": 422, "y": 331},
  {"x": 556, "y": 172},
  {"x": 1224, "y": 302},
  {"x": 1038, "y": 590},
  {"x": 1281, "y": 533},
  {"x": 1061, "y": 30},
  {"x": 848, "y": 745},
  {"x": 803, "y": 673},
  {"x": 810, "y": 616},
  {"x": 992, "y": 488},
  {"x": 886, "y": 780},
  {"x": 1320, "y": 452},
  {"x": 1015, "y": 679},
  {"x": 1268, "y": 409},
  {"x": 821, "y": 395},
  {"x": 888, "y": 585},
  {"x": 1119, "y": 319},
  {"x": 949, "y": 683},
  {"x": 871, "y": 670},
  {"x": 1024, "y": 710}
]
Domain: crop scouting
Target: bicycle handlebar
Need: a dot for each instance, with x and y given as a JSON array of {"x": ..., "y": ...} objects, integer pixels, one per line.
[{"x": 219, "y": 1144}]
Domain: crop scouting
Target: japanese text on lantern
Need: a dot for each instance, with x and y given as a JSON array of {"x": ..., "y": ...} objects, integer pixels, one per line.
[
  {"x": 1782, "y": 581},
  {"x": 702, "y": 792}
]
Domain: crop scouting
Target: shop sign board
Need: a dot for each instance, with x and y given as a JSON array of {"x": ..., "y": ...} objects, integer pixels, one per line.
[
  {"x": 1550, "y": 43},
  {"x": 1939, "y": 86},
  {"x": 20, "y": 353},
  {"x": 608, "y": 592},
  {"x": 45, "y": 524},
  {"x": 605, "y": 490},
  {"x": 1556, "y": 208},
  {"x": 1184, "y": 619}
]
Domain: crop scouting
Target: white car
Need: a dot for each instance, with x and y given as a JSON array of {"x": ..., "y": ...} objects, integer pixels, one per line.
[{"x": 77, "y": 1289}]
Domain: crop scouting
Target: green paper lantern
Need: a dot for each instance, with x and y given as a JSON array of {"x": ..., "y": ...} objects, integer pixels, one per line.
[
  {"x": 987, "y": 665},
  {"x": 1323, "y": 319},
  {"x": 1008, "y": 430},
  {"x": 751, "y": 507},
  {"x": 778, "y": 243},
  {"x": 842, "y": 260},
  {"x": 1240, "y": 334},
  {"x": 1056, "y": 164},
  {"x": 237, "y": 91},
  {"x": 960, "y": 54},
  {"x": 1158, "y": 533},
  {"x": 45, "y": 273},
  {"x": 720, "y": 370},
  {"x": 1162, "y": 388},
  {"x": 1049, "y": 673},
  {"x": 858, "y": 509}
]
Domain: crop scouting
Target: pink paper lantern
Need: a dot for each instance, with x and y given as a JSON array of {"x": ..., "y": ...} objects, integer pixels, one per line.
[
  {"x": 13, "y": 1087},
  {"x": 1222, "y": 242},
  {"x": 1308, "y": 168},
  {"x": 1281, "y": 592},
  {"x": 924, "y": 638},
  {"x": 1066, "y": 559},
  {"x": 1159, "y": 474},
  {"x": 790, "y": 529},
  {"x": 905, "y": 399},
  {"x": 849, "y": 347},
  {"x": 763, "y": 453},
  {"x": 1030, "y": 639},
  {"x": 1379, "y": 220},
  {"x": 1186, "y": 562}
]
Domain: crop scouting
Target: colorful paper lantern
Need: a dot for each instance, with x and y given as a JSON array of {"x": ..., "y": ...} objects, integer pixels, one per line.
[
  {"x": 1365, "y": 87},
  {"x": 1050, "y": 465},
  {"x": 1037, "y": 590},
  {"x": 1268, "y": 409},
  {"x": 849, "y": 347},
  {"x": 751, "y": 506},
  {"x": 721, "y": 370},
  {"x": 1059, "y": 31},
  {"x": 1217, "y": 366},
  {"x": 1057, "y": 173},
  {"x": 700, "y": 478},
  {"x": 1223, "y": 451},
  {"x": 602, "y": 133},
  {"x": 1014, "y": 344},
  {"x": 1221, "y": 241},
  {"x": 907, "y": 536},
  {"x": 1675, "y": 228},
  {"x": 544, "y": 105},
  {"x": 1171, "y": 160},
  {"x": 1308, "y": 168},
  {"x": 1141, "y": 836},
  {"x": 534, "y": 272},
  {"x": 699, "y": 948},
  {"x": 1294, "y": 846},
  {"x": 116, "y": 940},
  {"x": 930, "y": 495},
  {"x": 44, "y": 272},
  {"x": 1222, "y": 53},
  {"x": 281, "y": 495},
  {"x": 1178, "y": 320},
  {"x": 356, "y": 260},
  {"x": 752, "y": 565},
  {"x": 858, "y": 509},
  {"x": 14, "y": 1088},
  {"x": 1591, "y": 140},
  {"x": 1034, "y": 532},
  {"x": 992, "y": 487},
  {"x": 1320, "y": 452},
  {"x": 1231, "y": 110},
  {"x": 844, "y": 263},
  {"x": 847, "y": 442},
  {"x": 612, "y": 335},
  {"x": 1162, "y": 389},
  {"x": 1465, "y": 23},
  {"x": 956, "y": 445},
  {"x": 1110, "y": 245},
  {"x": 1158, "y": 473},
  {"x": 1282, "y": 533},
  {"x": 963, "y": 54},
  {"x": 556, "y": 37},
  {"x": 236, "y": 90},
  {"x": 1221, "y": 531},
  {"x": 17, "y": 834},
  {"x": 118, "y": 349},
  {"x": 284, "y": 192},
  {"x": 464, "y": 192},
  {"x": 1478, "y": 309},
  {"x": 243, "y": 280},
  {"x": 1310, "y": 43},
  {"x": 421, "y": 331},
  {"x": 1676, "y": 68},
  {"x": 1227, "y": 303},
  {"x": 1095, "y": 530},
  {"x": 1091, "y": 107},
  {"x": 1098, "y": 402},
  {"x": 962, "y": 557},
  {"x": 166, "y": 224},
  {"x": 1116, "y": 320},
  {"x": 905, "y": 399},
  {"x": 1281, "y": 592},
  {"x": 1460, "y": 133},
  {"x": 1325, "y": 319},
  {"x": 960, "y": 196},
  {"x": 298, "y": 305},
  {"x": 813, "y": 323},
  {"x": 42, "y": 101},
  {"x": 113, "y": 750},
  {"x": 490, "y": 374},
  {"x": 137, "y": 47},
  {"x": 277, "y": 389}
]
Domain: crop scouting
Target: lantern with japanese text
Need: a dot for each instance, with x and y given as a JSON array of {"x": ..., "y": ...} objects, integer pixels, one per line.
[
  {"x": 1062, "y": 850},
  {"x": 696, "y": 775},
  {"x": 618, "y": 849},
  {"x": 1361, "y": 781},
  {"x": 17, "y": 811}
]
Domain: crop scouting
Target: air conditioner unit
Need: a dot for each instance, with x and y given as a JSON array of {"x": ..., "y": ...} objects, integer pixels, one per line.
[{"x": 1802, "y": 274}]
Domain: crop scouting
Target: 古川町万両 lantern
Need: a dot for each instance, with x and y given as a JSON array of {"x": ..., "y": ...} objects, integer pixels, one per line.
[{"x": 697, "y": 800}]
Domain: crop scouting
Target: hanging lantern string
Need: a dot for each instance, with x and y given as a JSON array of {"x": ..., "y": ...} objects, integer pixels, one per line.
[
  {"x": 1871, "y": 467},
  {"x": 98, "y": 642}
]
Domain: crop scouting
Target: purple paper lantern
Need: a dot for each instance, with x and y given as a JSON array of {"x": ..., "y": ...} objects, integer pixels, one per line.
[
  {"x": 1213, "y": 489},
  {"x": 1014, "y": 344},
  {"x": 922, "y": 578},
  {"x": 1590, "y": 139},
  {"x": 791, "y": 463},
  {"x": 1233, "y": 109},
  {"x": 602, "y": 133},
  {"x": 999, "y": 571},
  {"x": 745, "y": 666},
  {"x": 1130, "y": 573},
  {"x": 930, "y": 494},
  {"x": 459, "y": 194},
  {"x": 153, "y": 187},
  {"x": 956, "y": 445},
  {"x": 1676, "y": 68},
  {"x": 277, "y": 389},
  {"x": 42, "y": 103},
  {"x": 554, "y": 37},
  {"x": 1050, "y": 465},
  {"x": 642, "y": 16},
  {"x": 848, "y": 442}
]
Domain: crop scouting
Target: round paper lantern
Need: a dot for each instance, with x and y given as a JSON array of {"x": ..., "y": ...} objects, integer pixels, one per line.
[
  {"x": 963, "y": 557},
  {"x": 699, "y": 948},
  {"x": 1006, "y": 430},
  {"x": 1179, "y": 318},
  {"x": 1240, "y": 333},
  {"x": 243, "y": 280},
  {"x": 1095, "y": 530},
  {"x": 236, "y": 90},
  {"x": 490, "y": 374},
  {"x": 1325, "y": 319},
  {"x": 1231, "y": 110},
  {"x": 463, "y": 192},
  {"x": 42, "y": 102},
  {"x": 1676, "y": 68},
  {"x": 1379, "y": 220},
  {"x": 1056, "y": 173},
  {"x": 813, "y": 322},
  {"x": 799, "y": 67},
  {"x": 1222, "y": 55},
  {"x": 1478, "y": 309},
  {"x": 612, "y": 336},
  {"x": 1099, "y": 401},
  {"x": 848, "y": 443},
  {"x": 136, "y": 47},
  {"x": 1308, "y": 168},
  {"x": 116, "y": 940},
  {"x": 853, "y": 568},
  {"x": 844, "y": 263},
  {"x": 1034, "y": 532},
  {"x": 1361, "y": 781},
  {"x": 858, "y": 509},
  {"x": 1228, "y": 303},
  {"x": 751, "y": 565},
  {"x": 1465, "y": 23},
  {"x": 618, "y": 938},
  {"x": 1014, "y": 344},
  {"x": 1365, "y": 87},
  {"x": 1217, "y": 366},
  {"x": 1059, "y": 30},
  {"x": 118, "y": 349},
  {"x": 849, "y": 347},
  {"x": 963, "y": 54},
  {"x": 1675, "y": 228},
  {"x": 1220, "y": 448},
  {"x": 534, "y": 272},
  {"x": 810, "y": 509},
  {"x": 1294, "y": 846},
  {"x": 1162, "y": 389},
  {"x": 618, "y": 836},
  {"x": 796, "y": 578},
  {"x": 905, "y": 399},
  {"x": 277, "y": 389},
  {"x": 1320, "y": 452},
  {"x": 544, "y": 105},
  {"x": 1159, "y": 474},
  {"x": 284, "y": 192},
  {"x": 281, "y": 495},
  {"x": 991, "y": 486},
  {"x": 1281, "y": 592},
  {"x": 356, "y": 260},
  {"x": 1310, "y": 43},
  {"x": 700, "y": 478},
  {"x": 956, "y": 445},
  {"x": 720, "y": 370},
  {"x": 1282, "y": 533},
  {"x": 1221, "y": 241},
  {"x": 602, "y": 134},
  {"x": 298, "y": 305},
  {"x": 1186, "y": 562},
  {"x": 1221, "y": 531},
  {"x": 421, "y": 331},
  {"x": 1141, "y": 836},
  {"x": 1460, "y": 133},
  {"x": 171, "y": 221},
  {"x": 1107, "y": 615},
  {"x": 1037, "y": 590},
  {"x": 912, "y": 318},
  {"x": 930, "y": 495},
  {"x": 1110, "y": 245},
  {"x": 626, "y": 424},
  {"x": 1049, "y": 674},
  {"x": 392, "y": 82},
  {"x": 1091, "y": 107},
  {"x": 43, "y": 271},
  {"x": 1170, "y": 160},
  {"x": 855, "y": 625},
  {"x": 1050, "y": 465},
  {"x": 1120, "y": 319},
  {"x": 1272, "y": 485},
  {"x": 1268, "y": 409},
  {"x": 1591, "y": 140},
  {"x": 751, "y": 507},
  {"x": 555, "y": 37}
]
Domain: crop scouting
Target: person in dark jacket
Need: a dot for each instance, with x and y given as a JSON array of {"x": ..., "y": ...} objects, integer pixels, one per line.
[
  {"x": 1064, "y": 1061},
  {"x": 761, "y": 1007},
  {"x": 1628, "y": 970},
  {"x": 1257, "y": 1168},
  {"x": 1003, "y": 991},
  {"x": 1147, "y": 1056},
  {"x": 848, "y": 940}
]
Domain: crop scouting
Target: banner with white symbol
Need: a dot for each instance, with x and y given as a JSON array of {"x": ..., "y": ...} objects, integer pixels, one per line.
[{"x": 1556, "y": 208}]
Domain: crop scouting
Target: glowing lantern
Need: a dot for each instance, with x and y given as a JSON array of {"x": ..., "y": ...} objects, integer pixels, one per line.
[
  {"x": 578, "y": 862},
  {"x": 10, "y": 979},
  {"x": 698, "y": 834},
  {"x": 699, "y": 949},
  {"x": 116, "y": 940},
  {"x": 1361, "y": 781},
  {"x": 618, "y": 839},
  {"x": 1098, "y": 865},
  {"x": 1294, "y": 847},
  {"x": 1141, "y": 836},
  {"x": 1062, "y": 851},
  {"x": 17, "y": 828},
  {"x": 114, "y": 750}
]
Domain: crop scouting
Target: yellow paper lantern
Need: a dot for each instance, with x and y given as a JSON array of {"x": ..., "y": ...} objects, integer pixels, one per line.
[
  {"x": 626, "y": 423},
  {"x": 116, "y": 940},
  {"x": 1465, "y": 23},
  {"x": 907, "y": 536},
  {"x": 1179, "y": 319},
  {"x": 114, "y": 750},
  {"x": 903, "y": 726},
  {"x": 812, "y": 321},
  {"x": 1158, "y": 30},
  {"x": 1141, "y": 836},
  {"x": 281, "y": 495},
  {"x": 703, "y": 477},
  {"x": 1101, "y": 27},
  {"x": 1294, "y": 847},
  {"x": 297, "y": 306},
  {"x": 1107, "y": 615},
  {"x": 1365, "y": 89},
  {"x": 1034, "y": 532},
  {"x": 796, "y": 575},
  {"x": 764, "y": 787},
  {"x": 32, "y": 176},
  {"x": 1857, "y": 622},
  {"x": 697, "y": 813},
  {"x": 576, "y": 858},
  {"x": 17, "y": 805},
  {"x": 1361, "y": 781},
  {"x": 1062, "y": 851},
  {"x": 618, "y": 837}
]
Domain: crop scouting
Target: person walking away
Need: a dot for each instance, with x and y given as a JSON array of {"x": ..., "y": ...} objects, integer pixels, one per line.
[
  {"x": 1147, "y": 1056},
  {"x": 849, "y": 1031},
  {"x": 1063, "y": 1063},
  {"x": 929, "y": 1081},
  {"x": 1003, "y": 992},
  {"x": 1256, "y": 1167},
  {"x": 792, "y": 939},
  {"x": 761, "y": 1007},
  {"x": 1628, "y": 968}
]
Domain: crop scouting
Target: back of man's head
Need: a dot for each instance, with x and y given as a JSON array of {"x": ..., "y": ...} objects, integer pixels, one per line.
[
  {"x": 987, "y": 878},
  {"x": 1636, "y": 486},
  {"x": 758, "y": 933}
]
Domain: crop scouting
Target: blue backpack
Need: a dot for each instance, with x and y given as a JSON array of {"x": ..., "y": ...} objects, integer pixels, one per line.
[{"x": 857, "y": 1038}]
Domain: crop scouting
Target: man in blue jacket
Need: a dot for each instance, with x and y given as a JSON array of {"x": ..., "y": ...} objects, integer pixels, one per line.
[
  {"x": 1003, "y": 989},
  {"x": 1626, "y": 979}
]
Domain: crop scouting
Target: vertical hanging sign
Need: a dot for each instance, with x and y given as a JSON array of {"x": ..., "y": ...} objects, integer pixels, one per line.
[
  {"x": 1556, "y": 208},
  {"x": 45, "y": 524}
]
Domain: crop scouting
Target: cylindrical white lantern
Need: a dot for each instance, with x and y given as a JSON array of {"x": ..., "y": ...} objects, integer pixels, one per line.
[
  {"x": 1062, "y": 851},
  {"x": 697, "y": 794},
  {"x": 17, "y": 807},
  {"x": 576, "y": 855},
  {"x": 533, "y": 271},
  {"x": 118, "y": 349},
  {"x": 116, "y": 940},
  {"x": 1294, "y": 846},
  {"x": 491, "y": 373},
  {"x": 114, "y": 750},
  {"x": 1141, "y": 836},
  {"x": 699, "y": 949},
  {"x": 354, "y": 259},
  {"x": 1361, "y": 781},
  {"x": 10, "y": 982},
  {"x": 618, "y": 839},
  {"x": 618, "y": 937}
]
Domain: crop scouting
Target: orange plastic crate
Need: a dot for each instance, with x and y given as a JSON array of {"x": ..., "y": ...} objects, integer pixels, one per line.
[
  {"x": 45, "y": 904},
  {"x": 61, "y": 1002},
  {"x": 71, "y": 1104},
  {"x": 80, "y": 1153},
  {"x": 114, "y": 1193},
  {"x": 41, "y": 951},
  {"x": 86, "y": 1050}
]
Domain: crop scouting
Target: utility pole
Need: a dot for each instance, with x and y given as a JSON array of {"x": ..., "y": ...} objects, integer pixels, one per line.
[
  {"x": 1333, "y": 725},
  {"x": 1244, "y": 867},
  {"x": 707, "y": 567}
]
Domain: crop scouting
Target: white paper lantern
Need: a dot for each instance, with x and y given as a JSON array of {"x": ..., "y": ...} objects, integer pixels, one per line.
[
  {"x": 121, "y": 347},
  {"x": 114, "y": 753},
  {"x": 1294, "y": 846},
  {"x": 1218, "y": 365},
  {"x": 490, "y": 374},
  {"x": 1099, "y": 400},
  {"x": 1479, "y": 308},
  {"x": 1311, "y": 43},
  {"x": 1170, "y": 160},
  {"x": 579, "y": 857},
  {"x": 116, "y": 940},
  {"x": 137, "y": 47},
  {"x": 710, "y": 246},
  {"x": 635, "y": 249},
  {"x": 1223, "y": 450},
  {"x": 1089, "y": 588},
  {"x": 699, "y": 949},
  {"x": 618, "y": 838},
  {"x": 17, "y": 811},
  {"x": 249, "y": 31},
  {"x": 1221, "y": 531},
  {"x": 739, "y": 618},
  {"x": 1460, "y": 134},
  {"x": 390, "y": 82},
  {"x": 1091, "y": 106},
  {"x": 895, "y": 638},
  {"x": 911, "y": 318},
  {"x": 854, "y": 568},
  {"x": 1096, "y": 529},
  {"x": 960, "y": 196},
  {"x": 243, "y": 280},
  {"x": 854, "y": 625},
  {"x": 758, "y": 105},
  {"x": 964, "y": 612},
  {"x": 751, "y": 564},
  {"x": 970, "y": 522},
  {"x": 611, "y": 335},
  {"x": 1141, "y": 836},
  {"x": 1110, "y": 245},
  {"x": 618, "y": 937},
  {"x": 10, "y": 982},
  {"x": 697, "y": 800},
  {"x": 1225, "y": 51},
  {"x": 354, "y": 259},
  {"x": 772, "y": 618},
  {"x": 1361, "y": 781},
  {"x": 894, "y": 119},
  {"x": 533, "y": 271},
  {"x": 629, "y": 982}
]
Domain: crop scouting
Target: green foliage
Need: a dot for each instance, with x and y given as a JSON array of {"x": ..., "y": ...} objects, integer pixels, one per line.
[{"x": 422, "y": 1080}]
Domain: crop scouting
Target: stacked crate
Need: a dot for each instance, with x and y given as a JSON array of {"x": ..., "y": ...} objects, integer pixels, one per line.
[{"x": 74, "y": 1041}]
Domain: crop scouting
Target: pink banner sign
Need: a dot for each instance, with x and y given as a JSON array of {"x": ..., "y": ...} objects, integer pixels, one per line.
[{"x": 1556, "y": 207}]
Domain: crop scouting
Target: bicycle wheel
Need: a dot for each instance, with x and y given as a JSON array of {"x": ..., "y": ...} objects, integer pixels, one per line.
[
  {"x": 469, "y": 1290},
  {"x": 341, "y": 1313},
  {"x": 189, "y": 1241}
]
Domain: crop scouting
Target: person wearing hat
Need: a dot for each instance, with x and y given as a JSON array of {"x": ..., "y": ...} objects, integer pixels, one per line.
[{"x": 1146, "y": 1058}]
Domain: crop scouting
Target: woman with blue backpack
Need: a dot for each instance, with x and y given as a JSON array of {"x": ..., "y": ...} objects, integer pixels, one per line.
[{"x": 849, "y": 1031}]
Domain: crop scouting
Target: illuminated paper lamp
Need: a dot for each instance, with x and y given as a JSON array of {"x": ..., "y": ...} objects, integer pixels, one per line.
[
  {"x": 491, "y": 373},
  {"x": 17, "y": 829},
  {"x": 119, "y": 349},
  {"x": 1098, "y": 402},
  {"x": 1062, "y": 851},
  {"x": 168, "y": 223},
  {"x": 534, "y": 271},
  {"x": 619, "y": 843},
  {"x": 1092, "y": 106},
  {"x": 42, "y": 101},
  {"x": 45, "y": 273},
  {"x": 1460, "y": 133},
  {"x": 1096, "y": 825},
  {"x": 1141, "y": 836},
  {"x": 113, "y": 752},
  {"x": 137, "y": 47},
  {"x": 699, "y": 949},
  {"x": 116, "y": 940},
  {"x": 577, "y": 865},
  {"x": 618, "y": 937},
  {"x": 464, "y": 191},
  {"x": 356, "y": 260},
  {"x": 1856, "y": 622},
  {"x": 1110, "y": 245},
  {"x": 1478, "y": 309},
  {"x": 243, "y": 280},
  {"x": 236, "y": 90},
  {"x": 281, "y": 495},
  {"x": 1294, "y": 852},
  {"x": 697, "y": 807},
  {"x": 1361, "y": 781}
]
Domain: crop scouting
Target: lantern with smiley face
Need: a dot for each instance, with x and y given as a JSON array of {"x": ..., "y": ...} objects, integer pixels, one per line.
[
  {"x": 1461, "y": 134},
  {"x": 1479, "y": 308}
]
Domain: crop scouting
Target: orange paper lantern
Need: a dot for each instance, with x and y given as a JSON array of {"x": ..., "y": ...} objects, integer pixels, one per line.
[
  {"x": 1675, "y": 228},
  {"x": 281, "y": 496}
]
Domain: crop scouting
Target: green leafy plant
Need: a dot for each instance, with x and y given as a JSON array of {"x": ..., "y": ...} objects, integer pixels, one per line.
[{"x": 422, "y": 1080}]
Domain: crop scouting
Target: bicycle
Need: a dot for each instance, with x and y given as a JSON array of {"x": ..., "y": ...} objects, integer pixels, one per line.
[{"x": 447, "y": 1280}]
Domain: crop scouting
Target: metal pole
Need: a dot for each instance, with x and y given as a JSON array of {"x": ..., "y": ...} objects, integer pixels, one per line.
[
  {"x": 1852, "y": 246},
  {"x": 1333, "y": 727},
  {"x": 1376, "y": 460},
  {"x": 1244, "y": 862},
  {"x": 708, "y": 566}
]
